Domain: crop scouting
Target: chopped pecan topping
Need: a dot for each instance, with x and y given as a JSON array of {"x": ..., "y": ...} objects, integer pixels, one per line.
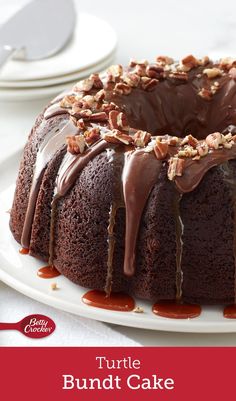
[
  {"x": 188, "y": 62},
  {"x": 67, "y": 101},
  {"x": 188, "y": 151},
  {"x": 116, "y": 136},
  {"x": 179, "y": 75},
  {"x": 204, "y": 61},
  {"x": 205, "y": 94},
  {"x": 141, "y": 138},
  {"x": 140, "y": 70},
  {"x": 80, "y": 113},
  {"x": 212, "y": 72},
  {"x": 149, "y": 84},
  {"x": 118, "y": 120},
  {"x": 133, "y": 63},
  {"x": 85, "y": 86},
  {"x": 173, "y": 140},
  {"x": 109, "y": 106},
  {"x": 190, "y": 140},
  {"x": 114, "y": 72},
  {"x": 100, "y": 96},
  {"x": 87, "y": 102},
  {"x": 232, "y": 73},
  {"x": 227, "y": 63},
  {"x": 155, "y": 71},
  {"x": 202, "y": 148},
  {"x": 176, "y": 167},
  {"x": 131, "y": 80},
  {"x": 92, "y": 135},
  {"x": 80, "y": 123},
  {"x": 97, "y": 82},
  {"x": 164, "y": 60},
  {"x": 122, "y": 88},
  {"x": 101, "y": 116},
  {"x": 161, "y": 149},
  {"x": 75, "y": 144},
  {"x": 214, "y": 140}
]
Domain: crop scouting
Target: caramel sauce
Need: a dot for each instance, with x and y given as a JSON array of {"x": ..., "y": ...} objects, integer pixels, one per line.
[
  {"x": 174, "y": 310},
  {"x": 24, "y": 251},
  {"x": 230, "y": 312},
  {"x": 115, "y": 301},
  {"x": 48, "y": 272}
]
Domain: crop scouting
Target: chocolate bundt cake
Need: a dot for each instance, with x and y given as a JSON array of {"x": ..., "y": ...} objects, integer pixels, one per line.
[{"x": 128, "y": 182}]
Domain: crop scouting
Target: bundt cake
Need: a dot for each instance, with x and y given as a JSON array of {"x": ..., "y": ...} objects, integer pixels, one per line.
[{"x": 128, "y": 182}]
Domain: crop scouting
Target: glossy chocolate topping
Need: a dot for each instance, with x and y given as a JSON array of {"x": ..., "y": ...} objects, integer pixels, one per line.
[
  {"x": 140, "y": 174},
  {"x": 53, "y": 142}
]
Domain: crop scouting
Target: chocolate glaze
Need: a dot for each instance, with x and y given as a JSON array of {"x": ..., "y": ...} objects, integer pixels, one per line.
[
  {"x": 72, "y": 165},
  {"x": 54, "y": 110},
  {"x": 195, "y": 170},
  {"x": 48, "y": 272},
  {"x": 140, "y": 174},
  {"x": 116, "y": 301},
  {"x": 53, "y": 142},
  {"x": 176, "y": 310},
  {"x": 116, "y": 158}
]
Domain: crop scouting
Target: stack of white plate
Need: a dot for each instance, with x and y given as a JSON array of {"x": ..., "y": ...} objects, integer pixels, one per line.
[{"x": 91, "y": 49}]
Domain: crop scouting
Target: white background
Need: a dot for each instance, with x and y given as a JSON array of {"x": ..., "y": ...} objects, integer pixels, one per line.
[{"x": 145, "y": 29}]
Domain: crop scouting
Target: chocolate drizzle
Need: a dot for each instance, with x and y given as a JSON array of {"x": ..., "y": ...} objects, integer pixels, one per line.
[
  {"x": 140, "y": 174},
  {"x": 116, "y": 157},
  {"x": 72, "y": 165},
  {"x": 54, "y": 140},
  {"x": 54, "y": 110},
  {"x": 195, "y": 170},
  {"x": 179, "y": 228}
]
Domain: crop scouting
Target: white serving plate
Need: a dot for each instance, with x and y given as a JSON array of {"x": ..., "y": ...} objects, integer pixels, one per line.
[
  {"x": 20, "y": 272},
  {"x": 60, "y": 79},
  {"x": 41, "y": 92},
  {"x": 94, "y": 40}
]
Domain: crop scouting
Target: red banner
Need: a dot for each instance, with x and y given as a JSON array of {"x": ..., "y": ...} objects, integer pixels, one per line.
[{"x": 186, "y": 374}]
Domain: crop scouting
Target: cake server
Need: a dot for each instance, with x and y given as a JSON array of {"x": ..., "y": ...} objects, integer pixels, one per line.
[{"x": 38, "y": 30}]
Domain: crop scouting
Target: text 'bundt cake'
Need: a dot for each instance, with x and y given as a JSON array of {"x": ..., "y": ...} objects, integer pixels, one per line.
[{"x": 128, "y": 182}]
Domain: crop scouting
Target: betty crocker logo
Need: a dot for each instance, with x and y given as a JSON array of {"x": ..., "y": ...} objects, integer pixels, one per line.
[{"x": 33, "y": 326}]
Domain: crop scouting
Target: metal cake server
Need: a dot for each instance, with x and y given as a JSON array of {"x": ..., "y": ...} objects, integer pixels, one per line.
[{"x": 38, "y": 30}]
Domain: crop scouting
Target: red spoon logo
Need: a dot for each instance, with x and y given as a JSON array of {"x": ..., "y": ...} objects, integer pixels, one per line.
[{"x": 33, "y": 326}]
